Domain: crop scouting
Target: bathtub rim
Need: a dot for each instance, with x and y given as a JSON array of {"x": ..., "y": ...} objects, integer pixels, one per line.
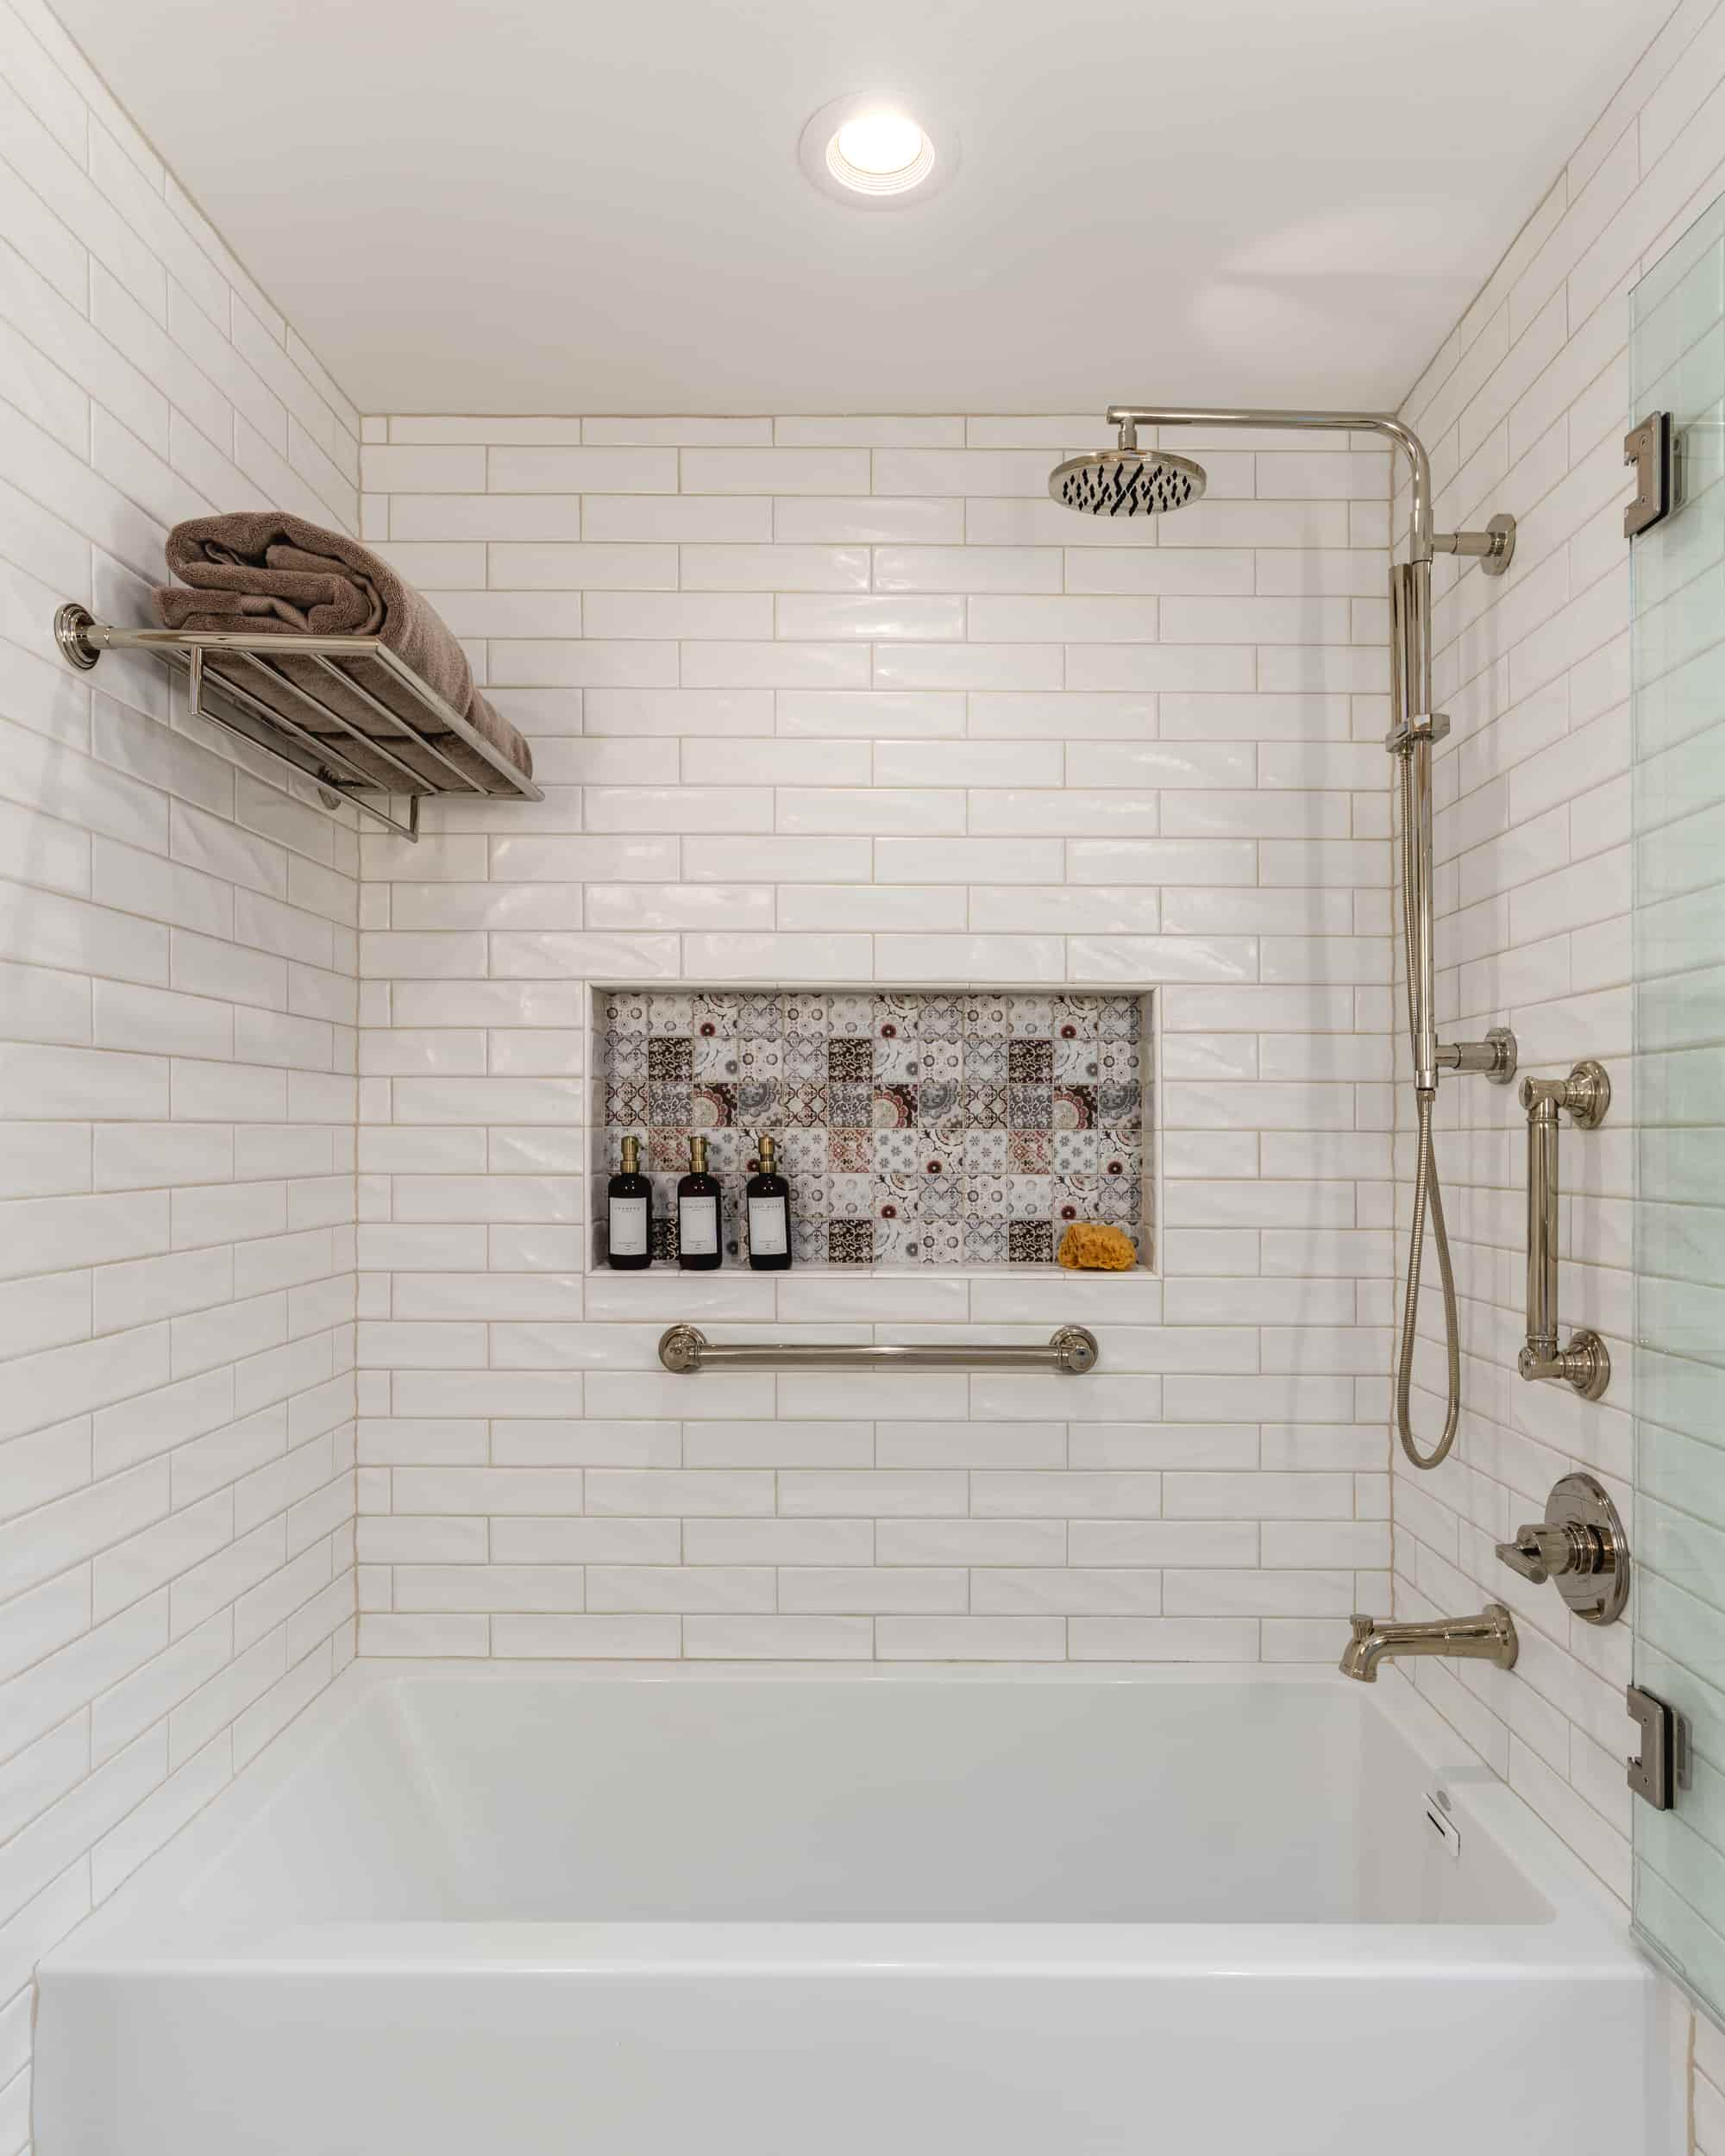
[{"x": 140, "y": 1928}]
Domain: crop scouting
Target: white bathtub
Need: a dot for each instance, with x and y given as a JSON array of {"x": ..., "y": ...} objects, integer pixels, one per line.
[{"x": 505, "y": 1912}]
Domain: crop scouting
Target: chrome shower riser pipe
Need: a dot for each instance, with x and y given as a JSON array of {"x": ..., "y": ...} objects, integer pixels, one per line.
[
  {"x": 1416, "y": 728},
  {"x": 1410, "y": 740}
]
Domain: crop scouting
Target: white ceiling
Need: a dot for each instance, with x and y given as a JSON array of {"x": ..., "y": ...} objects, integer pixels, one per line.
[{"x": 553, "y": 206}]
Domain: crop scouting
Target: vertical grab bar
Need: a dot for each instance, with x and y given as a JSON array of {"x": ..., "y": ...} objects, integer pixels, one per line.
[{"x": 1585, "y": 1362}]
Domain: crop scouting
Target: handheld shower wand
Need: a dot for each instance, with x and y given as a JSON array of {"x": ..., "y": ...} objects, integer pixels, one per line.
[{"x": 1128, "y": 481}]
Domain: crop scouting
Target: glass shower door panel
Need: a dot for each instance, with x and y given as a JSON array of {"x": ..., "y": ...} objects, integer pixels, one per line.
[{"x": 1677, "y": 364}]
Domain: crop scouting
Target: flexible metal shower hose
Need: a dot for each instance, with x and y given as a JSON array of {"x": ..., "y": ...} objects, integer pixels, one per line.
[
  {"x": 1427, "y": 1196},
  {"x": 1426, "y": 1193}
]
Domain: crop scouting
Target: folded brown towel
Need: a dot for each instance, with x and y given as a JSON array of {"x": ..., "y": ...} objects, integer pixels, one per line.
[{"x": 259, "y": 570}]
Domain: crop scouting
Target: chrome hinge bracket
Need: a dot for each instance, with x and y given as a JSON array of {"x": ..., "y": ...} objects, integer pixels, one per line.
[
  {"x": 1648, "y": 448},
  {"x": 1660, "y": 1769}
]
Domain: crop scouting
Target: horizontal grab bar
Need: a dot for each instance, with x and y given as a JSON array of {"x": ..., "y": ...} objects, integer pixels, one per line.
[{"x": 685, "y": 1349}]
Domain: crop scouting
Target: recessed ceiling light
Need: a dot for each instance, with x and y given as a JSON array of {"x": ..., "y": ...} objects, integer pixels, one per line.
[
  {"x": 871, "y": 153},
  {"x": 880, "y": 154}
]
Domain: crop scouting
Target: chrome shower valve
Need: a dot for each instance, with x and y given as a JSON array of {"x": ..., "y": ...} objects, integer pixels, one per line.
[{"x": 1580, "y": 1543}]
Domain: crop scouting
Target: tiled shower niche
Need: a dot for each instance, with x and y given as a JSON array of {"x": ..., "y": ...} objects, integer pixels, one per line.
[{"x": 916, "y": 1127}]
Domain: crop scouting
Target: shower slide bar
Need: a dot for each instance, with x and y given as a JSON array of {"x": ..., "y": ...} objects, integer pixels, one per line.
[
  {"x": 1585, "y": 1362},
  {"x": 686, "y": 1349},
  {"x": 226, "y": 661}
]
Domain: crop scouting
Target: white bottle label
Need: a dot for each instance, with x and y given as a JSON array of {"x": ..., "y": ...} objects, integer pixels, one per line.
[
  {"x": 767, "y": 1227},
  {"x": 629, "y": 1227},
  {"x": 698, "y": 1226}
]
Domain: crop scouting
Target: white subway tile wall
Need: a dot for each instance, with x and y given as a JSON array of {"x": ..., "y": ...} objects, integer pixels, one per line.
[
  {"x": 814, "y": 700},
  {"x": 1524, "y": 408},
  {"x": 177, "y": 1053},
  {"x": 852, "y": 701}
]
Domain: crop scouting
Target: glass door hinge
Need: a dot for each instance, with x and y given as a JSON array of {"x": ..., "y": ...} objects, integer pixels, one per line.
[
  {"x": 1648, "y": 448},
  {"x": 1660, "y": 1769}
]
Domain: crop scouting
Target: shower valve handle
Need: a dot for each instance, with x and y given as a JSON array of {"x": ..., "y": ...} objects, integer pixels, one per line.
[{"x": 1540, "y": 1553}]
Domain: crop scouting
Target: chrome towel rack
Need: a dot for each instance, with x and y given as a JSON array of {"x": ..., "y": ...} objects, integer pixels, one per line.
[
  {"x": 685, "y": 1349},
  {"x": 225, "y": 661}
]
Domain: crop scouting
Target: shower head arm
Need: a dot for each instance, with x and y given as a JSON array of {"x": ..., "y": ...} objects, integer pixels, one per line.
[{"x": 1420, "y": 537}]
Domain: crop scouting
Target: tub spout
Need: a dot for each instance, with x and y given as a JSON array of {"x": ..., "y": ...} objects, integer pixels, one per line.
[{"x": 1489, "y": 1636}]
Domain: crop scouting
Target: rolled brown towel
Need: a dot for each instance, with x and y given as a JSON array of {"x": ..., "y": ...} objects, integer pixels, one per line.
[{"x": 261, "y": 570}]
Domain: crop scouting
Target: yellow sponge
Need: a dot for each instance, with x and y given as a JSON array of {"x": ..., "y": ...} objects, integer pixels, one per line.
[{"x": 1090, "y": 1246}]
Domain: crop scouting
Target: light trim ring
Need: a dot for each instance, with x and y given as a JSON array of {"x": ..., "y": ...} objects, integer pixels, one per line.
[{"x": 849, "y": 173}]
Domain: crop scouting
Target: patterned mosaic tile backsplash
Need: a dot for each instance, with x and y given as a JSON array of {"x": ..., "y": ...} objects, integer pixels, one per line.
[{"x": 914, "y": 1128}]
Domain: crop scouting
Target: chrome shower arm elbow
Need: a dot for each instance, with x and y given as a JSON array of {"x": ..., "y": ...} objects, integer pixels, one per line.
[{"x": 1419, "y": 527}]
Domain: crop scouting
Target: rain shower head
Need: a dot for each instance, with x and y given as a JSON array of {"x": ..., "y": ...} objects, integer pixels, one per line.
[{"x": 1126, "y": 481}]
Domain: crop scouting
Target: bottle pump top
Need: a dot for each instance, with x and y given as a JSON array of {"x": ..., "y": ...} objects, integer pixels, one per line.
[
  {"x": 631, "y": 1155},
  {"x": 765, "y": 1148},
  {"x": 698, "y": 1156}
]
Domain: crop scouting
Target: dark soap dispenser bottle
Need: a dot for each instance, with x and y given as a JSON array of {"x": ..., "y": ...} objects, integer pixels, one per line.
[
  {"x": 629, "y": 1199},
  {"x": 768, "y": 1197},
  {"x": 698, "y": 1249}
]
